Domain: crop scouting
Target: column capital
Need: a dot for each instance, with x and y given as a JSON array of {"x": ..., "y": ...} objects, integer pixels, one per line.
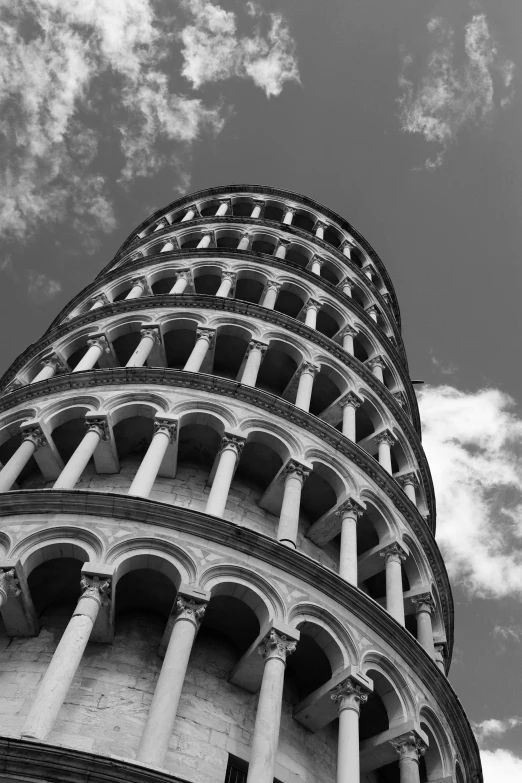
[
  {"x": 193, "y": 208},
  {"x": 151, "y": 331},
  {"x": 96, "y": 588},
  {"x": 312, "y": 304},
  {"x": 401, "y": 398},
  {"x": 163, "y": 223},
  {"x": 349, "y": 695},
  {"x": 208, "y": 233},
  {"x": 387, "y": 298},
  {"x": 288, "y": 209},
  {"x": 320, "y": 224},
  {"x": 260, "y": 201},
  {"x": 283, "y": 242},
  {"x": 385, "y": 437},
  {"x": 143, "y": 282},
  {"x": 423, "y": 603},
  {"x": 257, "y": 345},
  {"x": 206, "y": 334},
  {"x": 9, "y": 585},
  {"x": 55, "y": 361},
  {"x": 182, "y": 273},
  {"x": 409, "y": 747},
  {"x": 393, "y": 552},
  {"x": 233, "y": 443},
  {"x": 350, "y": 508},
  {"x": 348, "y": 331},
  {"x": 350, "y": 399},
  {"x": 408, "y": 478},
  {"x": 227, "y": 201},
  {"x": 376, "y": 361},
  {"x": 189, "y": 609},
  {"x": 308, "y": 367},
  {"x": 276, "y": 645},
  {"x": 228, "y": 274},
  {"x": 167, "y": 427},
  {"x": 346, "y": 281},
  {"x": 440, "y": 657},
  {"x": 272, "y": 284},
  {"x": 296, "y": 470},
  {"x": 317, "y": 260},
  {"x": 347, "y": 243},
  {"x": 103, "y": 298},
  {"x": 98, "y": 424},
  {"x": 372, "y": 310},
  {"x": 34, "y": 433},
  {"x": 100, "y": 341}
]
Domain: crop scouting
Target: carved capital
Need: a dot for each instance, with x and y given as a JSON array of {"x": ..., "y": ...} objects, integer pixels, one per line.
[
  {"x": 152, "y": 332},
  {"x": 188, "y": 609},
  {"x": 272, "y": 284},
  {"x": 101, "y": 342},
  {"x": 226, "y": 201},
  {"x": 34, "y": 433},
  {"x": 349, "y": 695},
  {"x": 103, "y": 298},
  {"x": 401, "y": 399},
  {"x": 208, "y": 233},
  {"x": 193, "y": 208},
  {"x": 227, "y": 274},
  {"x": 142, "y": 282},
  {"x": 54, "y": 361},
  {"x": 96, "y": 588},
  {"x": 393, "y": 552},
  {"x": 98, "y": 424},
  {"x": 161, "y": 224},
  {"x": 206, "y": 334},
  {"x": 350, "y": 399},
  {"x": 408, "y": 478},
  {"x": 283, "y": 243},
  {"x": 346, "y": 282},
  {"x": 372, "y": 310},
  {"x": 317, "y": 260},
  {"x": 312, "y": 304},
  {"x": 347, "y": 243},
  {"x": 8, "y": 585},
  {"x": 308, "y": 367},
  {"x": 294, "y": 469},
  {"x": 409, "y": 747},
  {"x": 291, "y": 210},
  {"x": 257, "y": 345},
  {"x": 321, "y": 224},
  {"x": 385, "y": 437},
  {"x": 183, "y": 274},
  {"x": 350, "y": 508},
  {"x": 276, "y": 645},
  {"x": 377, "y": 361},
  {"x": 424, "y": 603},
  {"x": 232, "y": 442},
  {"x": 349, "y": 331},
  {"x": 440, "y": 657},
  {"x": 167, "y": 427}
]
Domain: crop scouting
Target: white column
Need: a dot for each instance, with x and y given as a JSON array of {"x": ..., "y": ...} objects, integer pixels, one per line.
[
  {"x": 256, "y": 350},
  {"x": 32, "y": 439},
  {"x": 294, "y": 476},
  {"x": 161, "y": 224},
  {"x": 169, "y": 245},
  {"x": 377, "y": 366},
  {"x": 60, "y": 673},
  {"x": 373, "y": 313},
  {"x": 51, "y": 365},
  {"x": 289, "y": 216},
  {"x": 8, "y": 586},
  {"x": 190, "y": 214},
  {"x": 424, "y": 608},
  {"x": 409, "y": 482},
  {"x": 149, "y": 338},
  {"x": 275, "y": 650},
  {"x": 181, "y": 283},
  {"x": 97, "y": 346},
  {"x": 227, "y": 279},
  {"x": 368, "y": 272},
  {"x": 139, "y": 287},
  {"x": 244, "y": 242},
  {"x": 311, "y": 309},
  {"x": 393, "y": 556},
  {"x": 256, "y": 211},
  {"x": 316, "y": 265},
  {"x": 347, "y": 335},
  {"x": 349, "y": 403},
  {"x": 156, "y": 735},
  {"x": 97, "y": 429},
  {"x": 346, "y": 286},
  {"x": 346, "y": 248},
  {"x": 307, "y": 373},
  {"x": 409, "y": 748},
  {"x": 385, "y": 441},
  {"x": 206, "y": 239},
  {"x": 222, "y": 210},
  {"x": 229, "y": 453},
  {"x": 281, "y": 248},
  {"x": 204, "y": 341},
  {"x": 440, "y": 658},
  {"x": 320, "y": 229},
  {"x": 270, "y": 294},
  {"x": 349, "y": 513},
  {"x": 164, "y": 434},
  {"x": 101, "y": 300},
  {"x": 349, "y": 697}
]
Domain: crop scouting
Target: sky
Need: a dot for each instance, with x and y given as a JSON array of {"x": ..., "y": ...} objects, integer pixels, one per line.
[{"x": 403, "y": 117}]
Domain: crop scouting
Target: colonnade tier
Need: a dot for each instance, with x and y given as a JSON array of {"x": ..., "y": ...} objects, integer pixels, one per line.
[
  {"x": 292, "y": 598},
  {"x": 42, "y": 429},
  {"x": 355, "y": 295},
  {"x": 250, "y": 194}
]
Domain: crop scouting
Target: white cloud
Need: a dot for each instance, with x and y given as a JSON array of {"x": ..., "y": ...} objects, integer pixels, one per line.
[
  {"x": 492, "y": 727},
  {"x": 213, "y": 50},
  {"x": 41, "y": 288},
  {"x": 449, "y": 97},
  {"x": 501, "y": 766},
  {"x": 508, "y": 633},
  {"x": 473, "y": 442}
]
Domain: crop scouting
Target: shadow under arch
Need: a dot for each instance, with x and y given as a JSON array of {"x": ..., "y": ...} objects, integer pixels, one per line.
[
  {"x": 335, "y": 640},
  {"x": 438, "y": 756},
  {"x": 153, "y": 553},
  {"x": 58, "y": 542},
  {"x": 390, "y": 686}
]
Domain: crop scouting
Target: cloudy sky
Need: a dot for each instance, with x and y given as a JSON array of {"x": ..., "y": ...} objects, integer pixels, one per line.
[{"x": 406, "y": 118}]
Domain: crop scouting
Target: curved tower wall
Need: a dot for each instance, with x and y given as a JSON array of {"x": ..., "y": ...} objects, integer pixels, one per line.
[{"x": 216, "y": 550}]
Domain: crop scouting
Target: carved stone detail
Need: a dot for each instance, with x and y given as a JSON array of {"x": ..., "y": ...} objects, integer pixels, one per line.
[
  {"x": 409, "y": 747},
  {"x": 167, "y": 427},
  {"x": 188, "y": 609},
  {"x": 234, "y": 442},
  {"x": 408, "y": 478},
  {"x": 35, "y": 434},
  {"x": 98, "y": 424},
  {"x": 296, "y": 470},
  {"x": 276, "y": 645},
  {"x": 101, "y": 342},
  {"x": 308, "y": 367},
  {"x": 350, "y": 399},
  {"x": 377, "y": 361},
  {"x": 8, "y": 585},
  {"x": 94, "y": 587},
  {"x": 152, "y": 332},
  {"x": 349, "y": 695},
  {"x": 424, "y": 603},
  {"x": 206, "y": 334},
  {"x": 350, "y": 508},
  {"x": 393, "y": 552},
  {"x": 385, "y": 437},
  {"x": 257, "y": 345}
]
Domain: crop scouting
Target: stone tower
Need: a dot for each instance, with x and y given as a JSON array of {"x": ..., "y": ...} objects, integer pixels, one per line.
[{"x": 217, "y": 560}]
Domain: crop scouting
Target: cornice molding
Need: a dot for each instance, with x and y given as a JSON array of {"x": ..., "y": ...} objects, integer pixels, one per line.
[{"x": 292, "y": 562}]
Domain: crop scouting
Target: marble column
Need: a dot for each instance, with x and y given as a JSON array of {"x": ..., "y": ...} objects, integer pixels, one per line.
[
  {"x": 385, "y": 441},
  {"x": 320, "y": 228},
  {"x": 346, "y": 286},
  {"x": 346, "y": 248},
  {"x": 281, "y": 248},
  {"x": 368, "y": 272},
  {"x": 270, "y": 294},
  {"x": 275, "y": 649},
  {"x": 440, "y": 658},
  {"x": 256, "y": 350},
  {"x": 377, "y": 365},
  {"x": 8, "y": 586},
  {"x": 164, "y": 434},
  {"x": 97, "y": 430},
  {"x": 349, "y": 404},
  {"x": 161, "y": 224},
  {"x": 409, "y": 482},
  {"x": 349, "y": 696},
  {"x": 190, "y": 214},
  {"x": 51, "y": 365},
  {"x": 425, "y": 606},
  {"x": 347, "y": 335},
  {"x": 60, "y": 673},
  {"x": 149, "y": 338},
  {"x": 349, "y": 512},
  {"x": 393, "y": 555},
  {"x": 181, "y": 283},
  {"x": 312, "y": 307},
  {"x": 409, "y": 748},
  {"x": 244, "y": 242},
  {"x": 139, "y": 287},
  {"x": 317, "y": 263},
  {"x": 97, "y": 346},
  {"x": 224, "y": 206},
  {"x": 294, "y": 476},
  {"x": 32, "y": 439},
  {"x": 289, "y": 216},
  {"x": 257, "y": 209},
  {"x": 373, "y": 313},
  {"x": 100, "y": 300},
  {"x": 227, "y": 280},
  {"x": 205, "y": 240},
  {"x": 170, "y": 244},
  {"x": 204, "y": 341},
  {"x": 228, "y": 457},
  {"x": 307, "y": 373},
  {"x": 154, "y": 742}
]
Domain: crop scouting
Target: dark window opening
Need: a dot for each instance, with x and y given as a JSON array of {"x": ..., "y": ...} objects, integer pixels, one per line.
[{"x": 237, "y": 771}]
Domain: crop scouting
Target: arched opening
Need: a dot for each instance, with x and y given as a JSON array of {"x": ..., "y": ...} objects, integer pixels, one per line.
[
  {"x": 273, "y": 212},
  {"x": 228, "y": 239},
  {"x": 125, "y": 339},
  {"x": 290, "y": 300},
  {"x": 231, "y": 345},
  {"x": 308, "y": 667},
  {"x": 304, "y": 221},
  {"x": 30, "y": 473},
  {"x": 163, "y": 285},
  {"x": 249, "y": 288},
  {"x": 133, "y": 436},
  {"x": 264, "y": 244},
  {"x": 55, "y": 589},
  {"x": 296, "y": 255},
  {"x": 330, "y": 274},
  {"x": 328, "y": 386},
  {"x": 327, "y": 323},
  {"x": 207, "y": 280},
  {"x": 331, "y": 235},
  {"x": 69, "y": 432},
  {"x": 431, "y": 766},
  {"x": 261, "y": 459},
  {"x": 179, "y": 339},
  {"x": 209, "y": 208},
  {"x": 278, "y": 367},
  {"x": 320, "y": 493},
  {"x": 242, "y": 207}
]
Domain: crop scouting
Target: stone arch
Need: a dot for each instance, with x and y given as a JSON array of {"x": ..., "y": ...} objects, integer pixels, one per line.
[
  {"x": 391, "y": 686},
  {"x": 10, "y": 425},
  {"x": 154, "y": 554},
  {"x": 66, "y": 410},
  {"x": 5, "y": 544},
  {"x": 289, "y": 446},
  {"x": 249, "y": 587},
  {"x": 134, "y": 404},
  {"x": 438, "y": 756},
  {"x": 56, "y": 542},
  {"x": 187, "y": 408},
  {"x": 416, "y": 566},
  {"x": 387, "y": 526},
  {"x": 331, "y": 635}
]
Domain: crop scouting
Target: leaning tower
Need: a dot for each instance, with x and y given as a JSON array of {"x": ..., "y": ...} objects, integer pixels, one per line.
[{"x": 217, "y": 560}]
